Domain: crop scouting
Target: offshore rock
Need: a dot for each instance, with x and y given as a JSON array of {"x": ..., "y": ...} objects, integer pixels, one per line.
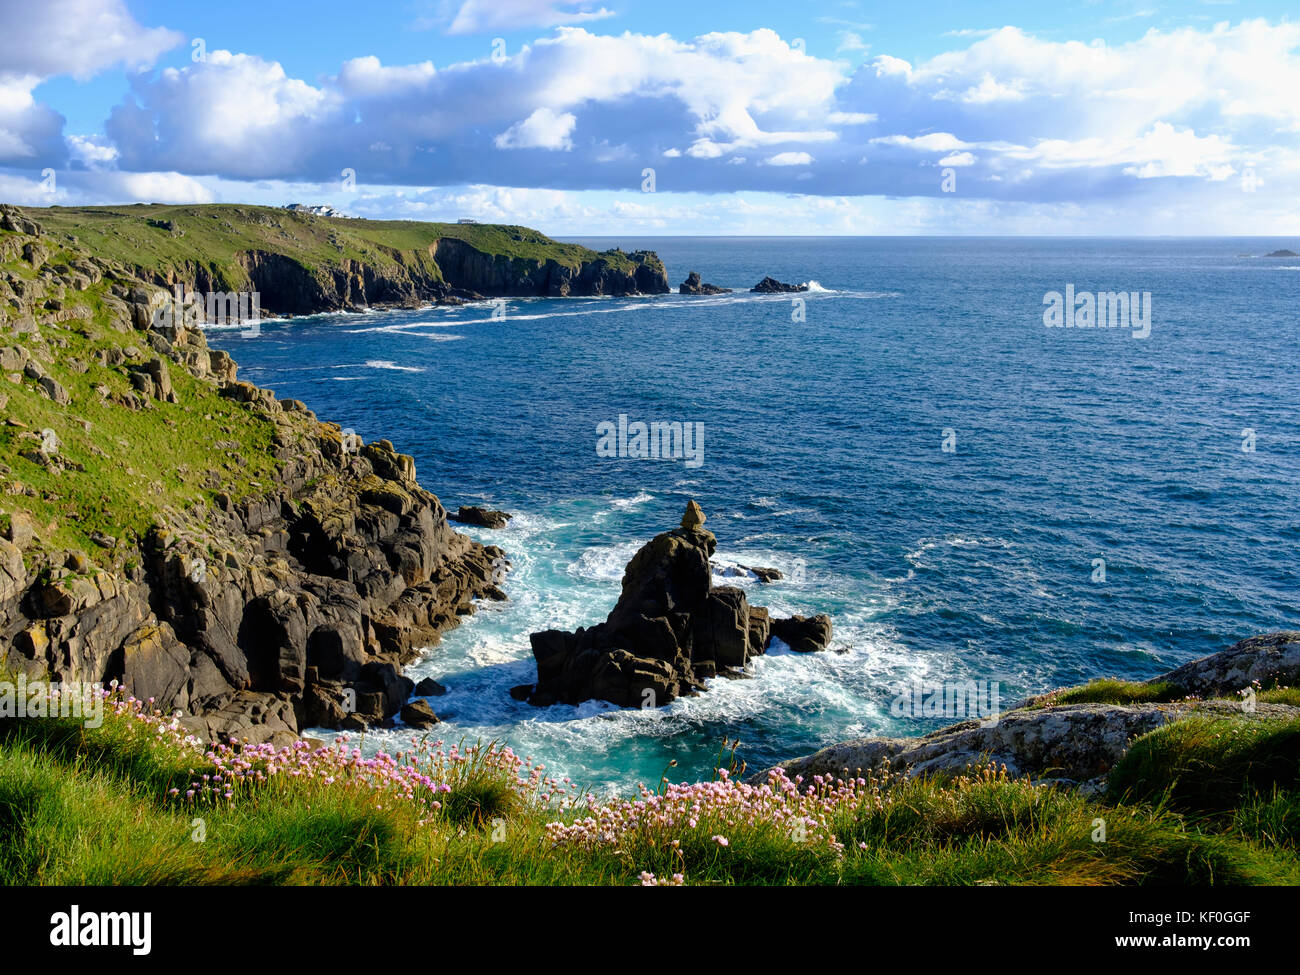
[
  {"x": 694, "y": 286},
  {"x": 769, "y": 286},
  {"x": 670, "y": 630}
]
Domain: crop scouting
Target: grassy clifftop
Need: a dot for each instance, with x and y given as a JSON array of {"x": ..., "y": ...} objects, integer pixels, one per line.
[
  {"x": 82, "y": 453},
  {"x": 158, "y": 239},
  {"x": 120, "y": 804}
]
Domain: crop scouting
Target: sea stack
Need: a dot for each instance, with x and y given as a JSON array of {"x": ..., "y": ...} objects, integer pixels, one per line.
[{"x": 670, "y": 630}]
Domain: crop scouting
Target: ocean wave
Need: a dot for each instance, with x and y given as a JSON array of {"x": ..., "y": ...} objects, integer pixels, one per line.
[
  {"x": 400, "y": 327},
  {"x": 604, "y": 564},
  {"x": 386, "y": 364},
  {"x": 641, "y": 497}
]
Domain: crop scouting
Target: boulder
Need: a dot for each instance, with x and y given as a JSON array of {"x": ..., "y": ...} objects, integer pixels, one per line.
[
  {"x": 804, "y": 634},
  {"x": 418, "y": 714},
  {"x": 20, "y": 530},
  {"x": 1074, "y": 744},
  {"x": 482, "y": 517},
  {"x": 13, "y": 575},
  {"x": 156, "y": 667},
  {"x": 429, "y": 688},
  {"x": 1271, "y": 660},
  {"x": 770, "y": 286},
  {"x": 694, "y": 286}
]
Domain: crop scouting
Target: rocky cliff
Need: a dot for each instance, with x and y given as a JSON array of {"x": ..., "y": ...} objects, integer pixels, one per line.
[
  {"x": 210, "y": 547},
  {"x": 471, "y": 270},
  {"x": 300, "y": 263}
]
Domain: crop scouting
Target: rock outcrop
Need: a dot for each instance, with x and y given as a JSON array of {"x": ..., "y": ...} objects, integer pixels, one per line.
[
  {"x": 670, "y": 630},
  {"x": 1283, "y": 253},
  {"x": 472, "y": 270},
  {"x": 293, "y": 605},
  {"x": 1072, "y": 744},
  {"x": 694, "y": 286},
  {"x": 1269, "y": 660},
  {"x": 1075, "y": 744},
  {"x": 771, "y": 286},
  {"x": 804, "y": 634},
  {"x": 482, "y": 517}
]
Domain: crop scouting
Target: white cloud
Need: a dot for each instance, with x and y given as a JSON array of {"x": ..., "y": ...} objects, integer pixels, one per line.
[
  {"x": 543, "y": 129},
  {"x": 931, "y": 142},
  {"x": 790, "y": 159},
  {"x": 851, "y": 41},
  {"x": 482, "y": 16},
  {"x": 61, "y": 37},
  {"x": 91, "y": 151},
  {"x": 75, "y": 37},
  {"x": 958, "y": 159},
  {"x": 705, "y": 149},
  {"x": 163, "y": 188},
  {"x": 1027, "y": 118}
]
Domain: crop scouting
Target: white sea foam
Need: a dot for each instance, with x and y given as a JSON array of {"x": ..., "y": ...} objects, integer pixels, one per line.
[
  {"x": 386, "y": 364},
  {"x": 641, "y": 497},
  {"x": 606, "y": 563},
  {"x": 559, "y": 581}
]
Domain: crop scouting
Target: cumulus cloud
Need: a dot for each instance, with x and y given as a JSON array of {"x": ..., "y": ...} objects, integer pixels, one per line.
[
  {"x": 543, "y": 129},
  {"x": 640, "y": 96},
  {"x": 790, "y": 159},
  {"x": 1026, "y": 118},
  {"x": 75, "y": 37},
  {"x": 61, "y": 37},
  {"x": 484, "y": 16}
]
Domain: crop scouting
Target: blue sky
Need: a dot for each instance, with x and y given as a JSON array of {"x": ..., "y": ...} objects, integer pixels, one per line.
[{"x": 630, "y": 117}]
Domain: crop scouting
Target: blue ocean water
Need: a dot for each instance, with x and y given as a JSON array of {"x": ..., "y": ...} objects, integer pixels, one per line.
[{"x": 823, "y": 442}]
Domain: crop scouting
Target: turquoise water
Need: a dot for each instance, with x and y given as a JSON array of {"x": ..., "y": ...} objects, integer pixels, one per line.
[{"x": 823, "y": 450}]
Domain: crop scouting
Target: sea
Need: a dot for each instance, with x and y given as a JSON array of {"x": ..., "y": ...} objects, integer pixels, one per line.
[{"x": 971, "y": 494}]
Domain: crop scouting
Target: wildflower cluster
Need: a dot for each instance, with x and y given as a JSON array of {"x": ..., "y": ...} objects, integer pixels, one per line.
[
  {"x": 709, "y": 813},
  {"x": 422, "y": 774}
]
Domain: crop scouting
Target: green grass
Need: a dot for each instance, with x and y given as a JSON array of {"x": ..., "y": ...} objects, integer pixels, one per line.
[
  {"x": 1280, "y": 695},
  {"x": 215, "y": 235},
  {"x": 1204, "y": 765},
  {"x": 1109, "y": 690},
  {"x": 86, "y": 806},
  {"x": 124, "y": 488}
]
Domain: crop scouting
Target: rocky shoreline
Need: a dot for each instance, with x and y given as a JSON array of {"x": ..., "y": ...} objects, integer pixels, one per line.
[
  {"x": 262, "y": 613},
  {"x": 1077, "y": 744},
  {"x": 256, "y": 617}
]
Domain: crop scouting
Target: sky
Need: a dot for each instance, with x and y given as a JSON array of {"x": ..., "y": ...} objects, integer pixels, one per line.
[{"x": 665, "y": 117}]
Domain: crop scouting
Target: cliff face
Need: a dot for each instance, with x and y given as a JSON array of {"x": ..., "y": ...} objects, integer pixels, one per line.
[
  {"x": 302, "y": 264},
  {"x": 281, "y": 587},
  {"x": 470, "y": 269}
]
